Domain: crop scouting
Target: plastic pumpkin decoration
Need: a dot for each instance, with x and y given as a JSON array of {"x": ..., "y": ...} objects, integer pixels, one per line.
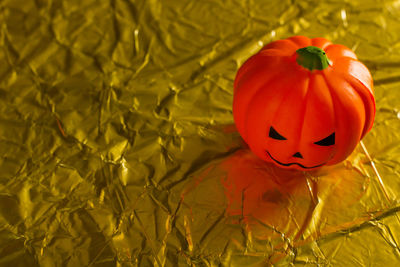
[{"x": 303, "y": 103}]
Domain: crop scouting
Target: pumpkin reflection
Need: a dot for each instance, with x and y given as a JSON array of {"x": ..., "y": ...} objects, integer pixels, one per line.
[
  {"x": 268, "y": 199},
  {"x": 277, "y": 208},
  {"x": 282, "y": 202}
]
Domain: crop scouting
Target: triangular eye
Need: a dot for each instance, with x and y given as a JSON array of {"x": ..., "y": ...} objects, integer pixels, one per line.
[
  {"x": 275, "y": 135},
  {"x": 327, "y": 141}
]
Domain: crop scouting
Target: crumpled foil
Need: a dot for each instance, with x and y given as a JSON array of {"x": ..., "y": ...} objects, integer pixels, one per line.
[{"x": 117, "y": 143}]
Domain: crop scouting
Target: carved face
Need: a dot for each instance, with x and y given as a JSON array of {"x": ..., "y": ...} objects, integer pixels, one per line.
[
  {"x": 297, "y": 157},
  {"x": 303, "y": 115}
]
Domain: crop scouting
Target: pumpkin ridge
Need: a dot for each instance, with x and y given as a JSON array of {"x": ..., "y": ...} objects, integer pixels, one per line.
[
  {"x": 328, "y": 85},
  {"x": 333, "y": 50},
  {"x": 359, "y": 87},
  {"x": 243, "y": 109},
  {"x": 364, "y": 92},
  {"x": 279, "y": 106},
  {"x": 350, "y": 59},
  {"x": 278, "y": 109},
  {"x": 291, "y": 39},
  {"x": 277, "y": 43},
  {"x": 325, "y": 46},
  {"x": 294, "y": 43},
  {"x": 244, "y": 68},
  {"x": 304, "y": 109},
  {"x": 282, "y": 102},
  {"x": 274, "y": 52},
  {"x": 246, "y": 111},
  {"x": 313, "y": 84},
  {"x": 338, "y": 105}
]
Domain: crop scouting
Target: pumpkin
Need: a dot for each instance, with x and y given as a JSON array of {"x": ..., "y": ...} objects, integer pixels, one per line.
[{"x": 303, "y": 103}]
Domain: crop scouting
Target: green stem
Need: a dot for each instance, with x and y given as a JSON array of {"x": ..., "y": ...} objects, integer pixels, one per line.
[{"x": 312, "y": 58}]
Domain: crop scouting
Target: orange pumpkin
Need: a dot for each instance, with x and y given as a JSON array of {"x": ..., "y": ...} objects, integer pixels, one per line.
[{"x": 303, "y": 103}]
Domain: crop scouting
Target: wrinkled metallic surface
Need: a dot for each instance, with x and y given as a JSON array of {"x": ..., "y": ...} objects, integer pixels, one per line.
[{"x": 117, "y": 146}]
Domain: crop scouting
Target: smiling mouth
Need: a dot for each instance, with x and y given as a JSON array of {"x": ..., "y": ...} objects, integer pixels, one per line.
[{"x": 294, "y": 163}]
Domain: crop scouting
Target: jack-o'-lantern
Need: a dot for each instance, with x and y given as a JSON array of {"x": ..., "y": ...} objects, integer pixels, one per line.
[{"x": 303, "y": 103}]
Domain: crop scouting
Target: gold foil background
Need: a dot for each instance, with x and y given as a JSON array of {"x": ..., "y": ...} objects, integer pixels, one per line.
[{"x": 118, "y": 147}]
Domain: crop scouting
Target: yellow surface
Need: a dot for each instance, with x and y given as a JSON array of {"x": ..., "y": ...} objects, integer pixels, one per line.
[{"x": 117, "y": 146}]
